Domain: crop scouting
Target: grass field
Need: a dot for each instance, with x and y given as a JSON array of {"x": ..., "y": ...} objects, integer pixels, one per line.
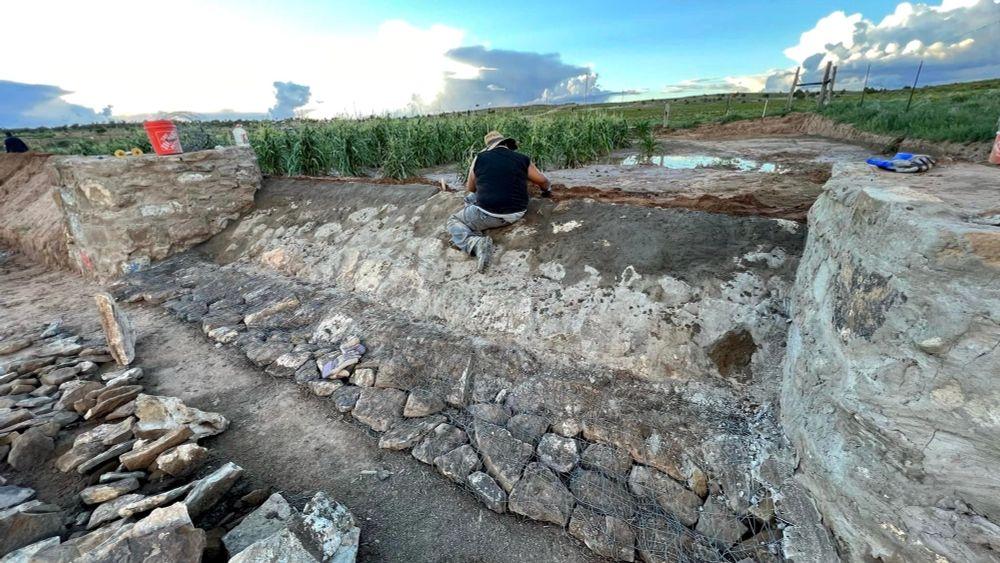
[{"x": 561, "y": 136}]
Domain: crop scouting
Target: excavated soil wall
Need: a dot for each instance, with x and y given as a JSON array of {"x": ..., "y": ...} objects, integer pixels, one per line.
[
  {"x": 890, "y": 389},
  {"x": 32, "y": 221}
]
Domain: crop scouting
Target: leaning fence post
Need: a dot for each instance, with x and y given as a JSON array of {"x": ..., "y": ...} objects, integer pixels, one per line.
[
  {"x": 763, "y": 115},
  {"x": 914, "y": 88},
  {"x": 791, "y": 93},
  {"x": 822, "y": 87},
  {"x": 865, "y": 87},
  {"x": 729, "y": 100},
  {"x": 666, "y": 115}
]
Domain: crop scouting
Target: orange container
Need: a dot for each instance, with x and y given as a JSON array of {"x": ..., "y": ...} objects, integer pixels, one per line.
[{"x": 163, "y": 136}]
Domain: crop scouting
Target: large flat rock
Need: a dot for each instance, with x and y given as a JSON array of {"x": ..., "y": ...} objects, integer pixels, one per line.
[{"x": 890, "y": 391}]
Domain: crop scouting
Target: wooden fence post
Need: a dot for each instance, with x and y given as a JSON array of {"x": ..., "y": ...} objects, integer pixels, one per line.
[
  {"x": 666, "y": 116},
  {"x": 763, "y": 115},
  {"x": 791, "y": 93},
  {"x": 865, "y": 87},
  {"x": 822, "y": 87}
]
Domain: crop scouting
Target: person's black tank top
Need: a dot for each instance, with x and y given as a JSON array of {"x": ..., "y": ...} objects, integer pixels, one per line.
[{"x": 502, "y": 181}]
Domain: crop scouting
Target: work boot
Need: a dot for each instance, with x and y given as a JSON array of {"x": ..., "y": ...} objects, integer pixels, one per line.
[{"x": 484, "y": 253}]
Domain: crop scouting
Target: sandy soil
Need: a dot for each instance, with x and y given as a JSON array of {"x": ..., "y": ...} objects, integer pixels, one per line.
[{"x": 285, "y": 438}]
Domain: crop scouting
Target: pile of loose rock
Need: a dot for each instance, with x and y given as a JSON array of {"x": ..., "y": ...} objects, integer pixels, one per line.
[
  {"x": 619, "y": 499},
  {"x": 134, "y": 456}
]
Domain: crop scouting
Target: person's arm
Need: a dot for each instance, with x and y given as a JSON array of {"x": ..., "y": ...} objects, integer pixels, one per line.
[
  {"x": 470, "y": 181},
  {"x": 536, "y": 177}
]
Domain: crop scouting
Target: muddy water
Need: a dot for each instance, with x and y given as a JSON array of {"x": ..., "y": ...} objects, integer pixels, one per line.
[{"x": 692, "y": 161}]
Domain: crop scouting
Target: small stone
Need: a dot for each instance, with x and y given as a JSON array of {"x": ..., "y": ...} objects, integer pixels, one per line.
[
  {"x": 488, "y": 492},
  {"x": 102, "y": 493},
  {"x": 606, "y": 459},
  {"x": 67, "y": 346},
  {"x": 126, "y": 377},
  {"x": 111, "y": 399},
  {"x": 669, "y": 494},
  {"x": 21, "y": 389},
  {"x": 12, "y": 417},
  {"x": 118, "y": 330},
  {"x": 458, "y": 463},
  {"x": 146, "y": 504},
  {"x": 27, "y": 523},
  {"x": 210, "y": 489},
  {"x": 270, "y": 518},
  {"x": 264, "y": 353},
  {"x": 108, "y": 511},
  {"x": 408, "y": 432},
  {"x": 324, "y": 387},
  {"x": 698, "y": 482},
  {"x": 13, "y": 496},
  {"x": 33, "y": 402},
  {"x": 44, "y": 391},
  {"x": 540, "y": 495},
  {"x": 143, "y": 456},
  {"x": 73, "y": 391},
  {"x": 119, "y": 475},
  {"x": 443, "y": 439},
  {"x": 345, "y": 398},
  {"x": 86, "y": 367},
  {"x": 364, "y": 377},
  {"x": 763, "y": 510},
  {"x": 458, "y": 397},
  {"x": 224, "y": 334},
  {"x": 934, "y": 346},
  {"x": 13, "y": 345},
  {"x": 492, "y": 413},
  {"x": 255, "y": 497},
  {"x": 288, "y": 363},
  {"x": 59, "y": 376},
  {"x": 105, "y": 457},
  {"x": 182, "y": 460},
  {"x": 30, "y": 450},
  {"x": 159, "y": 415},
  {"x": 594, "y": 491},
  {"x": 422, "y": 402},
  {"x": 379, "y": 408},
  {"x": 503, "y": 455},
  {"x": 567, "y": 427},
  {"x": 607, "y": 536},
  {"x": 307, "y": 372},
  {"x": 94, "y": 442},
  {"x": 527, "y": 428},
  {"x": 124, "y": 411},
  {"x": 558, "y": 453},
  {"x": 257, "y": 315},
  {"x": 50, "y": 428},
  {"x": 26, "y": 554},
  {"x": 52, "y": 329},
  {"x": 719, "y": 524}
]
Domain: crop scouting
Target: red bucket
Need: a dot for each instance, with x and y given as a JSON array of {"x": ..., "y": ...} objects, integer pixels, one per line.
[{"x": 163, "y": 136}]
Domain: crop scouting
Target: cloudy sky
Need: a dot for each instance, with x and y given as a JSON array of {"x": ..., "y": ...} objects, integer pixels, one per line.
[{"x": 68, "y": 61}]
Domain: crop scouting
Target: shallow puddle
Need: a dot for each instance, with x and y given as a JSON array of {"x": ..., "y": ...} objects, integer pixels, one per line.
[{"x": 691, "y": 161}]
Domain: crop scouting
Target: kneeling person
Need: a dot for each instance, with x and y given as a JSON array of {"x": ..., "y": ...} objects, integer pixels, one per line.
[{"x": 498, "y": 186}]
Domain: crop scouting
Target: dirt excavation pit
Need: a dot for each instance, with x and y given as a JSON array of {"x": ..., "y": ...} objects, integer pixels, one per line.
[{"x": 609, "y": 390}]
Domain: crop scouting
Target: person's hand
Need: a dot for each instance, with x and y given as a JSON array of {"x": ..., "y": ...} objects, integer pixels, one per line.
[{"x": 547, "y": 192}]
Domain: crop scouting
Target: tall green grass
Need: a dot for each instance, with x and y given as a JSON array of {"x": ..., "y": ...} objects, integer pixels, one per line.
[
  {"x": 399, "y": 148},
  {"x": 936, "y": 115}
]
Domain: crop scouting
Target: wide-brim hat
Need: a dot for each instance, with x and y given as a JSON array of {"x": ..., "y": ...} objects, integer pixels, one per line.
[{"x": 494, "y": 138}]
